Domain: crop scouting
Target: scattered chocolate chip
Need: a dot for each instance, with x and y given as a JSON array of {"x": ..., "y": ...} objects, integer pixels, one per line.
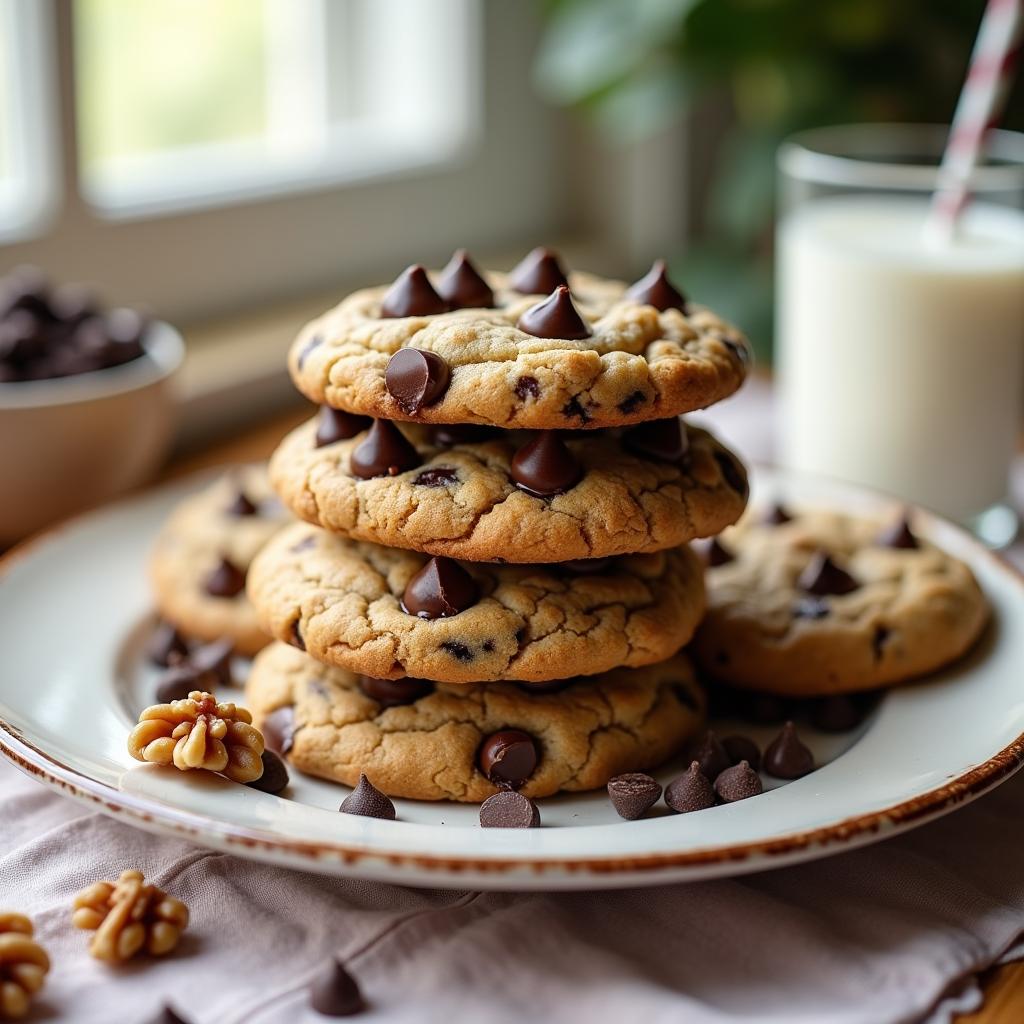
[
  {"x": 838, "y": 713},
  {"x": 445, "y": 435},
  {"x": 436, "y": 476},
  {"x": 459, "y": 651},
  {"x": 764, "y": 708},
  {"x": 586, "y": 566},
  {"x": 732, "y": 472},
  {"x": 368, "y": 802},
  {"x": 215, "y": 658},
  {"x": 508, "y": 756},
  {"x": 165, "y": 642},
  {"x": 527, "y": 386},
  {"x": 412, "y": 294},
  {"x": 879, "y": 638},
  {"x": 742, "y": 748},
  {"x": 242, "y": 506},
  {"x": 297, "y": 639},
  {"x": 275, "y": 775},
  {"x": 279, "y": 729},
  {"x": 710, "y": 755},
  {"x": 555, "y": 317},
  {"x": 690, "y": 792},
  {"x": 810, "y": 608},
  {"x": 385, "y": 451},
  {"x": 463, "y": 286},
  {"x": 177, "y": 682},
  {"x": 664, "y": 440},
  {"x": 573, "y": 410},
  {"x": 544, "y": 466},
  {"x": 227, "y": 580},
  {"x": 335, "y": 993},
  {"x": 390, "y": 693},
  {"x": 631, "y": 402},
  {"x": 899, "y": 535},
  {"x": 416, "y": 378},
  {"x": 786, "y": 757},
  {"x": 538, "y": 273},
  {"x": 166, "y": 1015},
  {"x": 337, "y": 425},
  {"x": 633, "y": 795},
  {"x": 738, "y": 783},
  {"x": 823, "y": 578},
  {"x": 509, "y": 809},
  {"x": 655, "y": 289},
  {"x": 715, "y": 554},
  {"x": 440, "y": 589},
  {"x": 777, "y": 515},
  {"x": 315, "y": 342}
]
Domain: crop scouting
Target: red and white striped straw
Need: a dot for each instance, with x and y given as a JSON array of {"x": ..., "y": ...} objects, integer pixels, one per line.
[{"x": 993, "y": 62}]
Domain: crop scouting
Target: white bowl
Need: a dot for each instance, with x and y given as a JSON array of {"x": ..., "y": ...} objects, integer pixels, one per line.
[{"x": 74, "y": 442}]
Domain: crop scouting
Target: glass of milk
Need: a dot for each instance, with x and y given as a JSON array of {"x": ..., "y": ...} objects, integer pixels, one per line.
[{"x": 901, "y": 360}]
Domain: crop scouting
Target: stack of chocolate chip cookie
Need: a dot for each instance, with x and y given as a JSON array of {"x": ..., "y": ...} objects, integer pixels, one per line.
[{"x": 491, "y": 583}]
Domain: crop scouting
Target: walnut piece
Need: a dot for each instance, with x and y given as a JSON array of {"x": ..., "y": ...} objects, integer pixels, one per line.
[
  {"x": 198, "y": 732},
  {"x": 128, "y": 916},
  {"x": 23, "y": 965}
]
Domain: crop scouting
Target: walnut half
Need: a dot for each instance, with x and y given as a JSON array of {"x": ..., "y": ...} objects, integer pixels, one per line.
[
  {"x": 198, "y": 732},
  {"x": 23, "y": 965},
  {"x": 128, "y": 916}
]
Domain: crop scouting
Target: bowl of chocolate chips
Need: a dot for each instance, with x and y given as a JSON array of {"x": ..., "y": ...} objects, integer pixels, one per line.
[{"x": 86, "y": 401}]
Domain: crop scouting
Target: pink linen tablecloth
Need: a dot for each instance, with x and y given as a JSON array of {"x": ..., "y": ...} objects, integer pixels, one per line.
[{"x": 892, "y": 933}]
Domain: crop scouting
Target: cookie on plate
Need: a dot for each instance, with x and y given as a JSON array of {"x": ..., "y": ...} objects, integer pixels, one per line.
[
  {"x": 203, "y": 552},
  {"x": 824, "y": 603},
  {"x": 390, "y": 613},
  {"x": 430, "y": 741},
  {"x": 510, "y": 496},
  {"x": 519, "y": 350}
]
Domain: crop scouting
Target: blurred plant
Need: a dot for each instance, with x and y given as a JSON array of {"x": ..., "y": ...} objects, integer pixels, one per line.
[{"x": 638, "y": 66}]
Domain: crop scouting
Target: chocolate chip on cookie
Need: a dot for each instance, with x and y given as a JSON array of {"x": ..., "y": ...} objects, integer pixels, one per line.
[
  {"x": 509, "y": 809},
  {"x": 665, "y": 440},
  {"x": 716, "y": 553},
  {"x": 823, "y": 578},
  {"x": 655, "y": 289},
  {"x": 440, "y": 589},
  {"x": 390, "y": 693},
  {"x": 446, "y": 435},
  {"x": 368, "y": 802},
  {"x": 777, "y": 515},
  {"x": 436, "y": 476},
  {"x": 462, "y": 285},
  {"x": 337, "y": 425},
  {"x": 242, "y": 505},
  {"x": 227, "y": 580},
  {"x": 385, "y": 451},
  {"x": 416, "y": 378},
  {"x": 544, "y": 466},
  {"x": 538, "y": 273},
  {"x": 899, "y": 535},
  {"x": 508, "y": 757},
  {"x": 412, "y": 294},
  {"x": 555, "y": 317}
]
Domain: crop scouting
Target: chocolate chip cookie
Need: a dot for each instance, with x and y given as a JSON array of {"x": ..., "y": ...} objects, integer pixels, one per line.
[
  {"x": 389, "y": 613},
  {"x": 511, "y": 496},
  {"x": 821, "y": 603},
  {"x": 537, "y": 348},
  {"x": 432, "y": 741},
  {"x": 203, "y": 552}
]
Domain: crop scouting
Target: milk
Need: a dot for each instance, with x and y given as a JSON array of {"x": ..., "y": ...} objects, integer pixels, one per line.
[{"x": 900, "y": 364}]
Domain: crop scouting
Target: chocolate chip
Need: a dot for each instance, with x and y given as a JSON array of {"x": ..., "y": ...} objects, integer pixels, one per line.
[
  {"x": 631, "y": 402},
  {"x": 764, "y": 708},
  {"x": 508, "y": 756},
  {"x": 527, "y": 386},
  {"x": 810, "y": 608},
  {"x": 335, "y": 993},
  {"x": 710, "y": 755},
  {"x": 899, "y": 535},
  {"x": 177, "y": 682},
  {"x": 445, "y": 435},
  {"x": 166, "y": 1015},
  {"x": 165, "y": 642},
  {"x": 412, "y": 294},
  {"x": 440, "y": 589},
  {"x": 664, "y": 440},
  {"x": 633, "y": 795},
  {"x": 509, "y": 809},
  {"x": 573, "y": 410},
  {"x": 279, "y": 729},
  {"x": 368, "y": 802},
  {"x": 390, "y": 693},
  {"x": 555, "y": 317},
  {"x": 337, "y": 425},
  {"x": 241, "y": 506},
  {"x": 823, "y": 578},
  {"x": 684, "y": 696},
  {"x": 385, "y": 451},
  {"x": 275, "y": 775},
  {"x": 463, "y": 286},
  {"x": 838, "y": 713},
  {"x": 777, "y": 515},
  {"x": 732, "y": 472},
  {"x": 655, "y": 289},
  {"x": 586, "y": 566},
  {"x": 738, "y": 783},
  {"x": 715, "y": 554},
  {"x": 297, "y": 640},
  {"x": 436, "y": 476},
  {"x": 742, "y": 748},
  {"x": 544, "y": 466},
  {"x": 416, "y": 378},
  {"x": 488, "y": 646},
  {"x": 215, "y": 658},
  {"x": 879, "y": 638},
  {"x": 315, "y": 342},
  {"x": 227, "y": 580},
  {"x": 786, "y": 757},
  {"x": 691, "y": 791},
  {"x": 459, "y": 651},
  {"x": 538, "y": 273}
]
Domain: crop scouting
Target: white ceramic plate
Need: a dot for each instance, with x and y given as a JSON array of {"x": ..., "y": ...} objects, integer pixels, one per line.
[{"x": 74, "y": 615}]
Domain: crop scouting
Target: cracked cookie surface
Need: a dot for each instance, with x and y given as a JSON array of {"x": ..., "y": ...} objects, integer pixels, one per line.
[
  {"x": 341, "y": 599},
  {"x": 461, "y": 500},
  {"x": 639, "y": 364},
  {"x": 913, "y": 610},
  {"x": 597, "y": 727},
  {"x": 198, "y": 534}
]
